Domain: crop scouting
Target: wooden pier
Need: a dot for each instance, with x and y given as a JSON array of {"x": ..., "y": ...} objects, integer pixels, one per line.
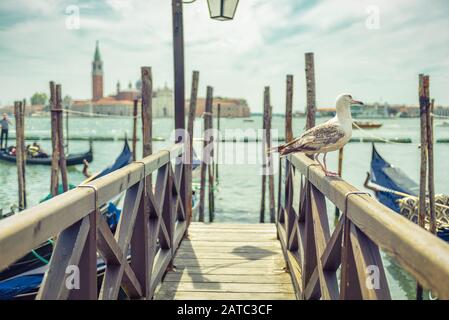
[{"x": 228, "y": 261}]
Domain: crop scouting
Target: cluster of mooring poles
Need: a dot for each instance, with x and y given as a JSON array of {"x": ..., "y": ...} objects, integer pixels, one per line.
[
  {"x": 267, "y": 160},
  {"x": 209, "y": 167},
  {"x": 427, "y": 163},
  {"x": 58, "y": 161}
]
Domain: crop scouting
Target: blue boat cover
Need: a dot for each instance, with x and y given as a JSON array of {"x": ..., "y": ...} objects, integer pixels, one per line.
[
  {"x": 12, "y": 287},
  {"x": 390, "y": 177},
  {"x": 122, "y": 160}
]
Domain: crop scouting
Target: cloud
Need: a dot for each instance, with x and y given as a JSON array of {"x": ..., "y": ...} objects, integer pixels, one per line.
[{"x": 266, "y": 41}]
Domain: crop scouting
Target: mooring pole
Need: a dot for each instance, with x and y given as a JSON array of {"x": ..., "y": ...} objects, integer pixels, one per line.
[
  {"x": 423, "y": 107},
  {"x": 266, "y": 114},
  {"x": 218, "y": 141},
  {"x": 135, "y": 105},
  {"x": 431, "y": 181},
  {"x": 310, "y": 85},
  {"x": 211, "y": 166},
  {"x": 60, "y": 132},
  {"x": 22, "y": 114},
  {"x": 190, "y": 127},
  {"x": 20, "y": 154},
  {"x": 206, "y": 155},
  {"x": 288, "y": 134},
  {"x": 270, "y": 166},
  {"x": 54, "y": 143}
]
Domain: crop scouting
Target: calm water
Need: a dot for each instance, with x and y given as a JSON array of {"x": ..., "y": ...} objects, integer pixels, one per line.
[{"x": 238, "y": 195}]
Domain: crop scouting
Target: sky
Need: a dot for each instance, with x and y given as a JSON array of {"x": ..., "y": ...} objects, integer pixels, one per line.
[{"x": 372, "y": 49}]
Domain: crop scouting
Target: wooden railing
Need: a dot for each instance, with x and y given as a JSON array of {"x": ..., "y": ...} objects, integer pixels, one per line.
[
  {"x": 347, "y": 264},
  {"x": 151, "y": 226}
]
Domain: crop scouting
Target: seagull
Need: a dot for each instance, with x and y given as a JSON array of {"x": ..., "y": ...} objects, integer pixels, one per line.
[{"x": 329, "y": 136}]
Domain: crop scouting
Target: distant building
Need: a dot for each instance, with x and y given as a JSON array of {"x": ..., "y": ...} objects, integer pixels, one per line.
[
  {"x": 122, "y": 102},
  {"x": 97, "y": 75},
  {"x": 163, "y": 103},
  {"x": 229, "y": 107}
]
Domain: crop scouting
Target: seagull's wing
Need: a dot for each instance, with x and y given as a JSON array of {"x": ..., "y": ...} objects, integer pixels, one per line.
[{"x": 315, "y": 138}]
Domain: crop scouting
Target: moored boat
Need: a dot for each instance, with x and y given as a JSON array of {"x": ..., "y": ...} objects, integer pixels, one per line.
[
  {"x": 394, "y": 189},
  {"x": 366, "y": 125},
  {"x": 72, "y": 159}
]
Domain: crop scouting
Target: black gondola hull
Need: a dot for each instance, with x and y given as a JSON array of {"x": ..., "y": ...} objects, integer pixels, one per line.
[{"x": 72, "y": 159}]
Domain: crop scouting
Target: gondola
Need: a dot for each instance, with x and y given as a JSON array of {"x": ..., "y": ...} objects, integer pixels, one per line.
[
  {"x": 72, "y": 159},
  {"x": 391, "y": 185},
  {"x": 22, "y": 279}
]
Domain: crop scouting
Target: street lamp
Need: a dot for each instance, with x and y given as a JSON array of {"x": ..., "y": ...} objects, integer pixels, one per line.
[{"x": 222, "y": 9}]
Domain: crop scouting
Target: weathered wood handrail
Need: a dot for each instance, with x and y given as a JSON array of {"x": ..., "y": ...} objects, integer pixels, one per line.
[
  {"x": 314, "y": 255},
  {"x": 74, "y": 217}
]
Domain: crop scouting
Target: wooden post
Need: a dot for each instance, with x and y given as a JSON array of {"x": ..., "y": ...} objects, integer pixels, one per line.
[
  {"x": 147, "y": 113},
  {"x": 288, "y": 134},
  {"x": 270, "y": 166},
  {"x": 311, "y": 95},
  {"x": 22, "y": 120},
  {"x": 423, "y": 107},
  {"x": 205, "y": 157},
  {"x": 340, "y": 171},
  {"x": 135, "y": 128},
  {"x": 67, "y": 127},
  {"x": 143, "y": 241},
  {"x": 60, "y": 132},
  {"x": 431, "y": 182},
  {"x": 20, "y": 154},
  {"x": 211, "y": 166},
  {"x": 289, "y": 109},
  {"x": 218, "y": 141},
  {"x": 190, "y": 126},
  {"x": 266, "y": 114},
  {"x": 54, "y": 142}
]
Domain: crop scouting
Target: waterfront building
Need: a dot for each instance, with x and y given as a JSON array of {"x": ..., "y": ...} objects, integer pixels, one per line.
[
  {"x": 121, "y": 103},
  {"x": 229, "y": 107}
]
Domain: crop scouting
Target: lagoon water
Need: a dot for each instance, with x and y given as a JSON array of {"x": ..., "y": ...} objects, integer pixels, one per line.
[{"x": 238, "y": 192}]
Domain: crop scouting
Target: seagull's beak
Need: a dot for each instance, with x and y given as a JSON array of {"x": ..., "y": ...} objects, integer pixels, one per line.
[{"x": 356, "y": 102}]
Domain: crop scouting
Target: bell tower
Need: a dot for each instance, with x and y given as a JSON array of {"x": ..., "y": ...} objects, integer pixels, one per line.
[{"x": 97, "y": 75}]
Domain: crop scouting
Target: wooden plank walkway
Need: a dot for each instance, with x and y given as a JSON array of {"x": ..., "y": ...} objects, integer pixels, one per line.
[{"x": 228, "y": 261}]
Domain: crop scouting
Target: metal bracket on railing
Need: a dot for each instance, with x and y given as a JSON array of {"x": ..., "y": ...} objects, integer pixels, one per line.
[
  {"x": 351, "y": 193},
  {"x": 144, "y": 168},
  {"x": 97, "y": 206},
  {"x": 308, "y": 167}
]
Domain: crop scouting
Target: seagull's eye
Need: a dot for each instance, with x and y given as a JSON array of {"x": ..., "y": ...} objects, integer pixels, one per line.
[{"x": 349, "y": 96}]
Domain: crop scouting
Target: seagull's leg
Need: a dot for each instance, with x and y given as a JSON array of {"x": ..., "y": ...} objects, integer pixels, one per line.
[
  {"x": 328, "y": 173},
  {"x": 315, "y": 157}
]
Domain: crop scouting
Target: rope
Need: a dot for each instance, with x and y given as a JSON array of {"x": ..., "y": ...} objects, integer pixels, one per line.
[
  {"x": 92, "y": 114},
  {"x": 402, "y": 194},
  {"x": 439, "y": 116},
  {"x": 380, "y": 138},
  {"x": 38, "y": 256}
]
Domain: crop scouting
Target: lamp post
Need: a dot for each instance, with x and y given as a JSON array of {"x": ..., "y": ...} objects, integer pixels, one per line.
[
  {"x": 219, "y": 10},
  {"x": 222, "y": 10}
]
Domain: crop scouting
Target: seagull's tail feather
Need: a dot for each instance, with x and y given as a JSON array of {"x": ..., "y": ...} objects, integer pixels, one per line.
[{"x": 283, "y": 149}]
